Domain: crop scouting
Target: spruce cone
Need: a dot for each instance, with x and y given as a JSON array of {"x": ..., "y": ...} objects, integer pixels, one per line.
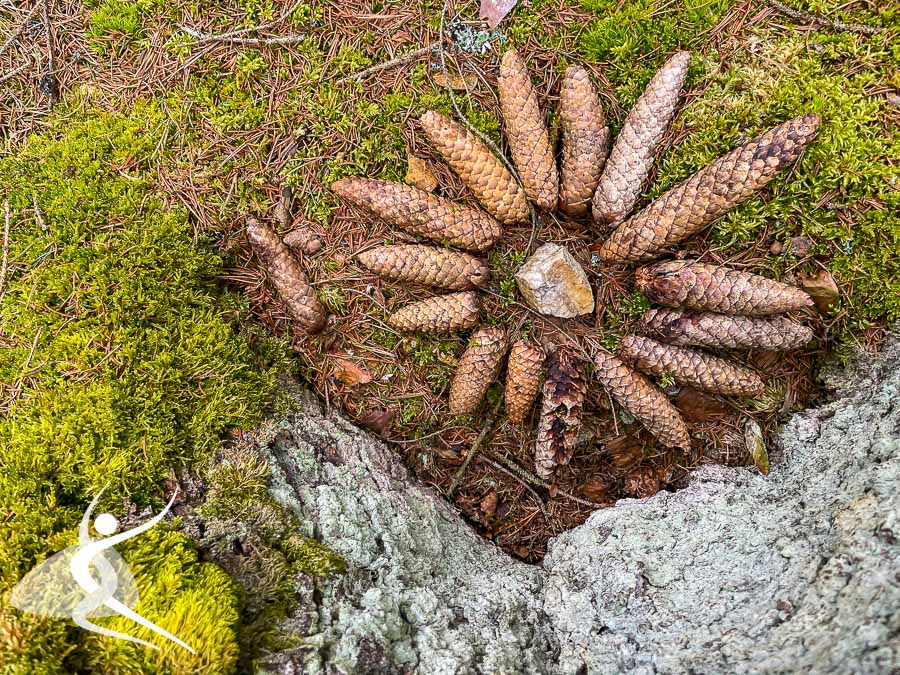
[
  {"x": 420, "y": 212},
  {"x": 690, "y": 367},
  {"x": 484, "y": 174},
  {"x": 526, "y": 132},
  {"x": 477, "y": 368},
  {"x": 642, "y": 399},
  {"x": 561, "y": 409},
  {"x": 287, "y": 277},
  {"x": 426, "y": 265},
  {"x": 585, "y": 141},
  {"x": 709, "y": 193},
  {"x": 682, "y": 283},
  {"x": 719, "y": 331},
  {"x": 632, "y": 155},
  {"x": 440, "y": 314},
  {"x": 524, "y": 374}
]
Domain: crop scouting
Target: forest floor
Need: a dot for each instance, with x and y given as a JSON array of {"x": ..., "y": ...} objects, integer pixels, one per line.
[{"x": 138, "y": 137}]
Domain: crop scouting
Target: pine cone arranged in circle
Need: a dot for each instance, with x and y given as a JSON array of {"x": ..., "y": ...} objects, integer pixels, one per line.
[
  {"x": 427, "y": 265},
  {"x": 526, "y": 133},
  {"x": 632, "y": 154},
  {"x": 694, "y": 285},
  {"x": 690, "y": 367},
  {"x": 288, "y": 277},
  {"x": 561, "y": 410},
  {"x": 441, "y": 314},
  {"x": 477, "y": 369},
  {"x": 585, "y": 141},
  {"x": 642, "y": 399},
  {"x": 524, "y": 375},
  {"x": 485, "y": 175},
  {"x": 421, "y": 212},
  {"x": 709, "y": 193},
  {"x": 722, "y": 331}
]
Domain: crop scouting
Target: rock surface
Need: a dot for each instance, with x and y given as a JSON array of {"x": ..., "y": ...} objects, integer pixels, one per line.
[
  {"x": 552, "y": 282},
  {"x": 797, "y": 572}
]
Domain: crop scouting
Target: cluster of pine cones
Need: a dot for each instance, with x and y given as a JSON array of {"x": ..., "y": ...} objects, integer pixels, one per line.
[{"x": 707, "y": 305}]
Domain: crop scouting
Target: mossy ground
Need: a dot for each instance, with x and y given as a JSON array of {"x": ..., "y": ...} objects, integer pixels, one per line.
[{"x": 123, "y": 355}]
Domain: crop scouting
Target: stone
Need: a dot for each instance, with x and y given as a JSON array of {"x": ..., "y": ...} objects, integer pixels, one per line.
[
  {"x": 552, "y": 282},
  {"x": 822, "y": 287},
  {"x": 734, "y": 573}
]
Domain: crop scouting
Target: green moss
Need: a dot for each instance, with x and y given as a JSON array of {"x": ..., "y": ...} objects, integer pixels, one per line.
[
  {"x": 120, "y": 358},
  {"x": 115, "y": 25}
]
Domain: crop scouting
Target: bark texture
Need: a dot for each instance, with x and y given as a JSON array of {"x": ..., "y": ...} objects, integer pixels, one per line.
[
  {"x": 526, "y": 132},
  {"x": 793, "y": 573},
  {"x": 709, "y": 193},
  {"x": 485, "y": 175},
  {"x": 427, "y": 265}
]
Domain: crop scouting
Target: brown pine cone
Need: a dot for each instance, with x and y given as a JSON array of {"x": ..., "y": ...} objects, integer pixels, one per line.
[
  {"x": 524, "y": 374},
  {"x": 691, "y": 367},
  {"x": 427, "y": 265},
  {"x": 477, "y": 368},
  {"x": 485, "y": 175},
  {"x": 632, "y": 155},
  {"x": 287, "y": 277},
  {"x": 642, "y": 399},
  {"x": 709, "y": 193},
  {"x": 561, "y": 409},
  {"x": 420, "y": 212},
  {"x": 585, "y": 141},
  {"x": 526, "y": 132},
  {"x": 720, "y": 331},
  {"x": 695, "y": 285},
  {"x": 440, "y": 314}
]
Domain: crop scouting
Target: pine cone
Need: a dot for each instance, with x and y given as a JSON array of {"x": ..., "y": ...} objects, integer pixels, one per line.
[
  {"x": 440, "y": 314},
  {"x": 526, "y": 132},
  {"x": 426, "y": 265},
  {"x": 524, "y": 374},
  {"x": 585, "y": 141},
  {"x": 632, "y": 155},
  {"x": 420, "y": 212},
  {"x": 719, "y": 331},
  {"x": 683, "y": 283},
  {"x": 690, "y": 367},
  {"x": 287, "y": 277},
  {"x": 643, "y": 400},
  {"x": 709, "y": 193},
  {"x": 494, "y": 186},
  {"x": 477, "y": 368},
  {"x": 561, "y": 410}
]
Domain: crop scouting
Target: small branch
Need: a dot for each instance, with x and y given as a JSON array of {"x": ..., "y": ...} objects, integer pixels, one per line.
[
  {"x": 22, "y": 26},
  {"x": 11, "y": 74},
  {"x": 237, "y": 39},
  {"x": 399, "y": 61},
  {"x": 523, "y": 483},
  {"x": 822, "y": 21},
  {"x": 37, "y": 214},
  {"x": 5, "y": 259},
  {"x": 485, "y": 430},
  {"x": 534, "y": 480},
  {"x": 48, "y": 29}
]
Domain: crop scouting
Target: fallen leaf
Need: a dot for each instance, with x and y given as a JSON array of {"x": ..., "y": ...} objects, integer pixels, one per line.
[
  {"x": 756, "y": 446},
  {"x": 378, "y": 420},
  {"x": 822, "y": 287},
  {"x": 455, "y": 81},
  {"x": 489, "y": 504},
  {"x": 350, "y": 373},
  {"x": 596, "y": 489},
  {"x": 493, "y": 11},
  {"x": 624, "y": 451},
  {"x": 696, "y": 406},
  {"x": 419, "y": 174}
]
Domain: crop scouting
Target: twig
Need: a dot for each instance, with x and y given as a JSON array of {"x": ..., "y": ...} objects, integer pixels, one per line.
[
  {"x": 534, "y": 480},
  {"x": 235, "y": 37},
  {"x": 19, "y": 30},
  {"x": 485, "y": 430},
  {"x": 821, "y": 20},
  {"x": 5, "y": 259},
  {"x": 523, "y": 482},
  {"x": 11, "y": 74},
  {"x": 37, "y": 214},
  {"x": 48, "y": 29},
  {"x": 399, "y": 61}
]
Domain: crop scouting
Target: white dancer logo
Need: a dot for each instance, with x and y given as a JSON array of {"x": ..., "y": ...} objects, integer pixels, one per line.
[{"x": 48, "y": 589}]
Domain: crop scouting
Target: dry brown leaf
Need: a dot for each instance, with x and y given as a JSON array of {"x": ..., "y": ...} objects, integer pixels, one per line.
[
  {"x": 489, "y": 504},
  {"x": 349, "y": 373},
  {"x": 378, "y": 420},
  {"x": 419, "y": 174},
  {"x": 696, "y": 406},
  {"x": 822, "y": 288},
  {"x": 756, "y": 446},
  {"x": 596, "y": 489}
]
